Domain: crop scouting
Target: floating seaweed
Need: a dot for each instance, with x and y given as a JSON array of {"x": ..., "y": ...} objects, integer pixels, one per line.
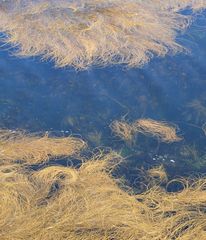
[
  {"x": 32, "y": 149},
  {"x": 161, "y": 130},
  {"x": 158, "y": 173},
  {"x": 85, "y": 33},
  {"x": 123, "y": 130},
  {"x": 91, "y": 200},
  {"x": 87, "y": 202}
]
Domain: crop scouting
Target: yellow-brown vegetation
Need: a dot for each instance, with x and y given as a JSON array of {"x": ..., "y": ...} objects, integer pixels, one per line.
[
  {"x": 84, "y": 33},
  {"x": 123, "y": 130},
  {"x": 88, "y": 203},
  {"x": 177, "y": 5},
  {"x": 66, "y": 203},
  {"x": 161, "y": 130},
  {"x": 158, "y": 173},
  {"x": 32, "y": 149}
]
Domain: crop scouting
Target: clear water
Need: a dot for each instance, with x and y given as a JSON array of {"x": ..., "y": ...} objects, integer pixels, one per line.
[{"x": 37, "y": 97}]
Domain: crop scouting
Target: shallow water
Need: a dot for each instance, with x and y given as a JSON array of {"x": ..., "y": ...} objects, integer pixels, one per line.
[{"x": 37, "y": 97}]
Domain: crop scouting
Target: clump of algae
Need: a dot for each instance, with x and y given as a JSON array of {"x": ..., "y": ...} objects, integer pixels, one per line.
[
  {"x": 33, "y": 149},
  {"x": 84, "y": 33},
  {"x": 160, "y": 130},
  {"x": 122, "y": 130},
  {"x": 87, "y": 202},
  {"x": 158, "y": 173}
]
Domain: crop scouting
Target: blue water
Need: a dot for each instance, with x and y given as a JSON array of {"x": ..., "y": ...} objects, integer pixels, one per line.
[{"x": 36, "y": 96}]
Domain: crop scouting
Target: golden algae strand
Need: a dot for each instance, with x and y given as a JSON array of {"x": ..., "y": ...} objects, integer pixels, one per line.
[
  {"x": 85, "y": 33},
  {"x": 32, "y": 148}
]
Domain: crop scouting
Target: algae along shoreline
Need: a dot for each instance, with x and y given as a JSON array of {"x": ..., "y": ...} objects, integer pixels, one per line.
[{"x": 110, "y": 184}]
